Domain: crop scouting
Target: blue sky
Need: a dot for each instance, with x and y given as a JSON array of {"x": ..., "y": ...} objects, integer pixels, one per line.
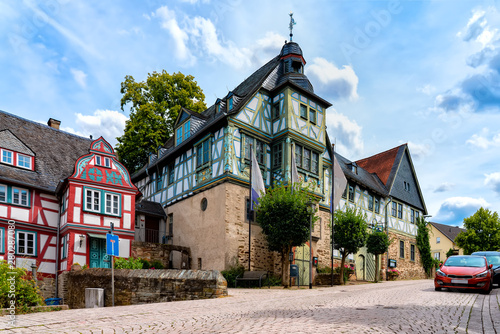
[{"x": 425, "y": 73}]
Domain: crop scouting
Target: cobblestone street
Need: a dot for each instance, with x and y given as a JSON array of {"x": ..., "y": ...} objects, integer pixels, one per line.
[{"x": 388, "y": 307}]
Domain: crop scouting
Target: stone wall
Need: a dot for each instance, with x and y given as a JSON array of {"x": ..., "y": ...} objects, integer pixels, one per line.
[
  {"x": 407, "y": 268},
  {"x": 47, "y": 286},
  {"x": 161, "y": 252},
  {"x": 144, "y": 286},
  {"x": 326, "y": 279}
]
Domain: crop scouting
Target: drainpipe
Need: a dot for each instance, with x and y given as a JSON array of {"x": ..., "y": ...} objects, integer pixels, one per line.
[
  {"x": 58, "y": 246},
  {"x": 387, "y": 232}
]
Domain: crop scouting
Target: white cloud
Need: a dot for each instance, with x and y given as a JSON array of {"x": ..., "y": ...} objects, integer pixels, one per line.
[
  {"x": 346, "y": 133},
  {"x": 481, "y": 140},
  {"x": 419, "y": 152},
  {"x": 443, "y": 187},
  {"x": 475, "y": 26},
  {"x": 169, "y": 22},
  {"x": 80, "y": 77},
  {"x": 493, "y": 180},
  {"x": 340, "y": 82},
  {"x": 453, "y": 210},
  {"x": 426, "y": 89},
  {"x": 106, "y": 123}
]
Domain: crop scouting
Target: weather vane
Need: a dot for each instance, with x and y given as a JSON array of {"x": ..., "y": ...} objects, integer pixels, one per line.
[{"x": 292, "y": 23}]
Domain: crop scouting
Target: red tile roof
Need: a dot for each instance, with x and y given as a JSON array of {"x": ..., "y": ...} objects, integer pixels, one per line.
[{"x": 381, "y": 163}]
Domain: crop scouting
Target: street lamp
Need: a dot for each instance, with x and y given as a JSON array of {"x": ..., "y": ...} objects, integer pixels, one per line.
[{"x": 311, "y": 204}]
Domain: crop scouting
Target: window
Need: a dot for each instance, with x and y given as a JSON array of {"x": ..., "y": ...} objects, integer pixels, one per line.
[
  {"x": 314, "y": 163},
  {"x": 2, "y": 238},
  {"x": 312, "y": 115},
  {"x": 203, "y": 153},
  {"x": 400, "y": 210},
  {"x": 179, "y": 135},
  {"x": 394, "y": 209},
  {"x": 412, "y": 252},
  {"x": 407, "y": 186},
  {"x": 159, "y": 181},
  {"x": 437, "y": 256},
  {"x": 417, "y": 214},
  {"x": 307, "y": 159},
  {"x": 438, "y": 240},
  {"x": 412, "y": 217},
  {"x": 377, "y": 205},
  {"x": 112, "y": 204},
  {"x": 102, "y": 161},
  {"x": 171, "y": 173},
  {"x": 230, "y": 104},
  {"x": 26, "y": 243},
  {"x": 402, "y": 249},
  {"x": 351, "y": 193},
  {"x": 171, "y": 225},
  {"x": 93, "y": 200},
  {"x": 19, "y": 196},
  {"x": 298, "y": 155},
  {"x": 370, "y": 202},
  {"x": 303, "y": 111},
  {"x": 24, "y": 161},
  {"x": 3, "y": 193},
  {"x": 187, "y": 129},
  {"x": 64, "y": 244},
  {"x": 257, "y": 146},
  {"x": 277, "y": 155},
  {"x": 344, "y": 194},
  {"x": 7, "y": 157},
  {"x": 276, "y": 111}
]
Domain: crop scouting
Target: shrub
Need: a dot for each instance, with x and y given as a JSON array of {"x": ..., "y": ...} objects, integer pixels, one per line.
[
  {"x": 324, "y": 270},
  {"x": 130, "y": 263},
  {"x": 231, "y": 273},
  {"x": 145, "y": 264},
  {"x": 348, "y": 271},
  {"x": 157, "y": 265},
  {"x": 26, "y": 291}
]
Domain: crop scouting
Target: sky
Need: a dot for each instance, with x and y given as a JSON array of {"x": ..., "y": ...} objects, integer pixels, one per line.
[{"x": 425, "y": 73}]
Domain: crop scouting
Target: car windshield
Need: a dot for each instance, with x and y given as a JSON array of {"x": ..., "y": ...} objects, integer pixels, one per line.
[
  {"x": 493, "y": 259},
  {"x": 465, "y": 261}
]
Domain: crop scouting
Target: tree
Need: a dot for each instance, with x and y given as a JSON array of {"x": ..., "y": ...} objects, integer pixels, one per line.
[
  {"x": 349, "y": 233},
  {"x": 483, "y": 232},
  {"x": 376, "y": 244},
  {"x": 424, "y": 245},
  {"x": 450, "y": 252},
  {"x": 155, "y": 105},
  {"x": 284, "y": 215}
]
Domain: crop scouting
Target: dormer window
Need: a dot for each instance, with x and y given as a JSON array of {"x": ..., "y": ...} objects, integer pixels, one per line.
[
  {"x": 183, "y": 132},
  {"x": 297, "y": 66},
  {"x": 7, "y": 157},
  {"x": 354, "y": 168},
  {"x": 103, "y": 161},
  {"x": 230, "y": 104},
  {"x": 24, "y": 161}
]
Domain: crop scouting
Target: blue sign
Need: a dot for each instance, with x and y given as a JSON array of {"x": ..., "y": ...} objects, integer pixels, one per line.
[{"x": 112, "y": 247}]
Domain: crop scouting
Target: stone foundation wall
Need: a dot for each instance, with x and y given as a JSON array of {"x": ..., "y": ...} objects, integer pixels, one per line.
[
  {"x": 144, "y": 286},
  {"x": 407, "y": 268},
  {"x": 160, "y": 252},
  {"x": 47, "y": 286}
]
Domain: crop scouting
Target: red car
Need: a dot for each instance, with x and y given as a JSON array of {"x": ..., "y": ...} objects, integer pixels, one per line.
[{"x": 465, "y": 272}]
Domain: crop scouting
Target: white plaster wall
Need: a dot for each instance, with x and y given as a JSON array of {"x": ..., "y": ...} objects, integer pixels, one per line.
[
  {"x": 3, "y": 211},
  {"x": 78, "y": 195},
  {"x": 77, "y": 248},
  {"x": 19, "y": 214},
  {"x": 80, "y": 259},
  {"x": 47, "y": 268},
  {"x": 51, "y": 218},
  {"x": 76, "y": 214},
  {"x": 91, "y": 220}
]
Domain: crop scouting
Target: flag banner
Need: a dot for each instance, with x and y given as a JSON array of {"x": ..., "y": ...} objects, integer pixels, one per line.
[
  {"x": 339, "y": 184},
  {"x": 295, "y": 174},
  {"x": 257, "y": 183}
]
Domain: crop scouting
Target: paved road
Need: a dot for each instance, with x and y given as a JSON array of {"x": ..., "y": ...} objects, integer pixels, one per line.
[{"x": 388, "y": 307}]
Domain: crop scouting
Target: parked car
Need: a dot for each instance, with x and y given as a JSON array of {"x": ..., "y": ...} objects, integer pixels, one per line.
[
  {"x": 465, "y": 272},
  {"x": 493, "y": 258}
]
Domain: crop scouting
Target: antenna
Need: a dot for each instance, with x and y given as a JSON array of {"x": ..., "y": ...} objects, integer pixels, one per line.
[{"x": 290, "y": 26}]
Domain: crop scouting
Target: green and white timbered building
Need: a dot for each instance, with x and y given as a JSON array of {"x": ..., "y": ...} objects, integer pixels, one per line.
[{"x": 201, "y": 175}]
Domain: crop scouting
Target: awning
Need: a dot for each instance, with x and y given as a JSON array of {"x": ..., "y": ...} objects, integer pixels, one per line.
[{"x": 97, "y": 236}]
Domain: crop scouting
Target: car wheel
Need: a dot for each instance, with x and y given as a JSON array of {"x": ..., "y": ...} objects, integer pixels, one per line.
[{"x": 437, "y": 289}]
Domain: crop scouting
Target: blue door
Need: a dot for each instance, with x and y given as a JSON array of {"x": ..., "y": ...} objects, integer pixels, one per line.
[{"x": 98, "y": 256}]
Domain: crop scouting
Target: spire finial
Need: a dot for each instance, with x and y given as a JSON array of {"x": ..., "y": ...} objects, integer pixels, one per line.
[{"x": 292, "y": 23}]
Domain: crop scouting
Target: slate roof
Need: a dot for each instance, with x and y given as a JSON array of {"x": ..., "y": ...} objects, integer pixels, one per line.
[
  {"x": 363, "y": 177},
  {"x": 450, "y": 232},
  {"x": 55, "y": 152},
  {"x": 150, "y": 208}
]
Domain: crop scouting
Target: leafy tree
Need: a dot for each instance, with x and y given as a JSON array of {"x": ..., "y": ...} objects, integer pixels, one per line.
[
  {"x": 450, "y": 252},
  {"x": 376, "y": 244},
  {"x": 424, "y": 245},
  {"x": 349, "y": 233},
  {"x": 284, "y": 215},
  {"x": 483, "y": 232},
  {"x": 155, "y": 104}
]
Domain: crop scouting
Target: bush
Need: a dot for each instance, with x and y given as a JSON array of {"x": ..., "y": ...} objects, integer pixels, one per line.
[
  {"x": 348, "y": 271},
  {"x": 324, "y": 270},
  {"x": 146, "y": 264},
  {"x": 24, "y": 289},
  {"x": 157, "y": 265},
  {"x": 130, "y": 263},
  {"x": 272, "y": 281},
  {"x": 231, "y": 274}
]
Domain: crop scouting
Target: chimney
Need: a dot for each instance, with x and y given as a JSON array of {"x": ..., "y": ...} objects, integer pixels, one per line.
[{"x": 54, "y": 123}]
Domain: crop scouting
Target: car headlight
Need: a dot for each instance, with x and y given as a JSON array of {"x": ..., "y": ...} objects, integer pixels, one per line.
[
  {"x": 440, "y": 273},
  {"x": 483, "y": 274}
]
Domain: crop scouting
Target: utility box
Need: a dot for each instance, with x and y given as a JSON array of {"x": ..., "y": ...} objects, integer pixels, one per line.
[{"x": 94, "y": 297}]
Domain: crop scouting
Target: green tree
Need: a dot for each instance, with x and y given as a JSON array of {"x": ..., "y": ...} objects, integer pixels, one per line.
[
  {"x": 349, "y": 233},
  {"x": 450, "y": 252},
  {"x": 424, "y": 245},
  {"x": 154, "y": 106},
  {"x": 483, "y": 232},
  {"x": 377, "y": 243},
  {"x": 284, "y": 215}
]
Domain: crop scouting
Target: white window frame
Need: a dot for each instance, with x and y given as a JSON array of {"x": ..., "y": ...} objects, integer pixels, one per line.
[
  {"x": 114, "y": 204},
  {"x": 18, "y": 243},
  {"x": 22, "y": 165},
  {"x": 93, "y": 197},
  {"x": 11, "y": 157},
  {"x": 438, "y": 240},
  {"x": 20, "y": 200}
]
